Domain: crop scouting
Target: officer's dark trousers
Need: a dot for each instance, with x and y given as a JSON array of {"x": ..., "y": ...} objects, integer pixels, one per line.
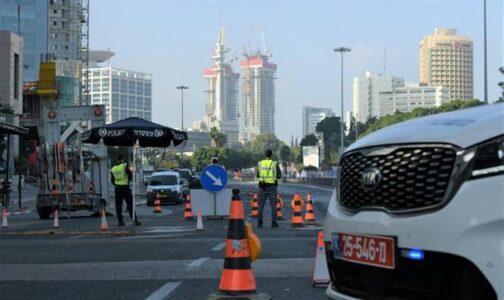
[
  {"x": 123, "y": 193},
  {"x": 269, "y": 192}
]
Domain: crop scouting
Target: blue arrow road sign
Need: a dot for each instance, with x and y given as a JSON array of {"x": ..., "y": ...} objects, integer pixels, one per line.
[{"x": 213, "y": 178}]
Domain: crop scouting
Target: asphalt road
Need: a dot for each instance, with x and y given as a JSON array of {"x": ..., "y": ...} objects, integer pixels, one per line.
[{"x": 166, "y": 258}]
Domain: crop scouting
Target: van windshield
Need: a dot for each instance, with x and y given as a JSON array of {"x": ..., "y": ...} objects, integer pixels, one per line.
[{"x": 163, "y": 180}]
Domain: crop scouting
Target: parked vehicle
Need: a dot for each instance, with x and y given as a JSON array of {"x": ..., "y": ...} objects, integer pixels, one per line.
[
  {"x": 146, "y": 175},
  {"x": 168, "y": 185},
  {"x": 418, "y": 211}
]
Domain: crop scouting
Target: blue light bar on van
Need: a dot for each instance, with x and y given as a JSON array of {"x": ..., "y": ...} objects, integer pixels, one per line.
[{"x": 413, "y": 254}]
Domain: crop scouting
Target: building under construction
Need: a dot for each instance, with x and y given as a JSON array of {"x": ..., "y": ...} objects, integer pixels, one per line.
[
  {"x": 258, "y": 96},
  {"x": 52, "y": 30},
  {"x": 222, "y": 94}
]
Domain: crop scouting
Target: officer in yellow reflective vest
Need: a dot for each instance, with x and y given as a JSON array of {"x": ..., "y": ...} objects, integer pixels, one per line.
[
  {"x": 121, "y": 176},
  {"x": 268, "y": 172}
]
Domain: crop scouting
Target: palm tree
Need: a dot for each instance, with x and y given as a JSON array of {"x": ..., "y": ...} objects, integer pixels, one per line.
[{"x": 217, "y": 138}]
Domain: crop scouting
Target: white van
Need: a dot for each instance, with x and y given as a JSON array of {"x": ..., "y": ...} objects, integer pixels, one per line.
[
  {"x": 166, "y": 184},
  {"x": 418, "y": 211}
]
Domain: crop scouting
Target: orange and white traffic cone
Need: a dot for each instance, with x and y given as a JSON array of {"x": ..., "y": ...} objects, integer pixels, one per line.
[
  {"x": 199, "y": 222},
  {"x": 255, "y": 206},
  {"x": 56, "y": 218},
  {"x": 104, "y": 224},
  {"x": 297, "y": 211},
  {"x": 237, "y": 276},
  {"x": 279, "y": 206},
  {"x": 320, "y": 270},
  {"x": 157, "y": 204},
  {"x": 187, "y": 208},
  {"x": 5, "y": 222},
  {"x": 309, "y": 215}
]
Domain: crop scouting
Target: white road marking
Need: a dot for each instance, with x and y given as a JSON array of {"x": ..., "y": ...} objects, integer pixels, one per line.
[
  {"x": 164, "y": 291},
  {"x": 156, "y": 236},
  {"x": 198, "y": 262},
  {"x": 219, "y": 246}
]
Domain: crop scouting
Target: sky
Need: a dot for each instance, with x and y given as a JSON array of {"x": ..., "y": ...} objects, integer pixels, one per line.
[{"x": 174, "y": 39}]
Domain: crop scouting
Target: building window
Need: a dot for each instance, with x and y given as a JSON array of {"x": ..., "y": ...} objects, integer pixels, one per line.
[{"x": 16, "y": 76}]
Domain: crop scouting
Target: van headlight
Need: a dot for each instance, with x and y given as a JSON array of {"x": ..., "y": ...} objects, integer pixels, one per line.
[{"x": 487, "y": 158}]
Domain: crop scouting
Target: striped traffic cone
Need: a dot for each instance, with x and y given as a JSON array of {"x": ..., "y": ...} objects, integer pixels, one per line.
[
  {"x": 279, "y": 206},
  {"x": 56, "y": 218},
  {"x": 104, "y": 224},
  {"x": 237, "y": 279},
  {"x": 187, "y": 208},
  {"x": 297, "y": 211},
  {"x": 255, "y": 206},
  {"x": 5, "y": 222},
  {"x": 309, "y": 215},
  {"x": 157, "y": 204}
]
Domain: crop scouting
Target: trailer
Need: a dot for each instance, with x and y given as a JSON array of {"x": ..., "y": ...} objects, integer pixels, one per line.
[{"x": 73, "y": 176}]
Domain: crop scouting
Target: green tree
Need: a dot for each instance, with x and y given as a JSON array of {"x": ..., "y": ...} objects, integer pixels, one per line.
[
  {"x": 309, "y": 140},
  {"x": 330, "y": 127},
  {"x": 263, "y": 142},
  {"x": 239, "y": 158},
  {"x": 218, "y": 138},
  {"x": 203, "y": 156},
  {"x": 284, "y": 153}
]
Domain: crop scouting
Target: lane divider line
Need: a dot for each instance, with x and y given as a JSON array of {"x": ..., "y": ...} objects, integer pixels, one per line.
[
  {"x": 198, "y": 262},
  {"x": 164, "y": 291},
  {"x": 219, "y": 246}
]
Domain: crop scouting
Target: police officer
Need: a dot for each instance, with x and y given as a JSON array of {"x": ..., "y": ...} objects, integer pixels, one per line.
[
  {"x": 268, "y": 172},
  {"x": 121, "y": 176}
]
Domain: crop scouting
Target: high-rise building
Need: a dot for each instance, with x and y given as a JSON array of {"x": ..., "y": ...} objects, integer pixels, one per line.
[
  {"x": 446, "y": 59},
  {"x": 366, "y": 89},
  {"x": 312, "y": 116},
  {"x": 11, "y": 70},
  {"x": 32, "y": 27},
  {"x": 51, "y": 30},
  {"x": 222, "y": 94},
  {"x": 258, "y": 96},
  {"x": 411, "y": 96},
  {"x": 124, "y": 93}
]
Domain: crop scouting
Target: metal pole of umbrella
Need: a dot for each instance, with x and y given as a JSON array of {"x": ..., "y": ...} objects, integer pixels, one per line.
[{"x": 134, "y": 187}]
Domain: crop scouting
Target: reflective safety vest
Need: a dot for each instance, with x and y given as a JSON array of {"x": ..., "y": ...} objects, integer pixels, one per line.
[
  {"x": 120, "y": 176},
  {"x": 268, "y": 171}
]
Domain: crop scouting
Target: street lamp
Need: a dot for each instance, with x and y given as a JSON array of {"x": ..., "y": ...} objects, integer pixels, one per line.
[
  {"x": 342, "y": 136},
  {"x": 485, "y": 52},
  {"x": 182, "y": 88}
]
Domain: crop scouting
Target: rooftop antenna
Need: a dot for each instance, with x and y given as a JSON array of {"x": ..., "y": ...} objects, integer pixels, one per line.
[{"x": 19, "y": 18}]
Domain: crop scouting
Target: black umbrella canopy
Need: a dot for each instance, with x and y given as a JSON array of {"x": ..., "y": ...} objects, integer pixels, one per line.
[{"x": 126, "y": 132}]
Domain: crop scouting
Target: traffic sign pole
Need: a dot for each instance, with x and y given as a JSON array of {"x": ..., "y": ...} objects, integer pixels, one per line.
[{"x": 213, "y": 178}]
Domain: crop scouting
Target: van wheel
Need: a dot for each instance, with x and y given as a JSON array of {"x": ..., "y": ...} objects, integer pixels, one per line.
[{"x": 44, "y": 212}]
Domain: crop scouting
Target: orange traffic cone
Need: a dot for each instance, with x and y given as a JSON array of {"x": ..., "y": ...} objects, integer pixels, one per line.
[
  {"x": 279, "y": 206},
  {"x": 157, "y": 204},
  {"x": 255, "y": 206},
  {"x": 5, "y": 223},
  {"x": 297, "y": 212},
  {"x": 237, "y": 275},
  {"x": 320, "y": 271},
  {"x": 309, "y": 215},
  {"x": 104, "y": 225},
  {"x": 187, "y": 208},
  {"x": 199, "y": 222},
  {"x": 56, "y": 218}
]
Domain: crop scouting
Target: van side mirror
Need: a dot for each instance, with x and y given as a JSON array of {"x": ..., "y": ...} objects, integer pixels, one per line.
[{"x": 181, "y": 182}]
